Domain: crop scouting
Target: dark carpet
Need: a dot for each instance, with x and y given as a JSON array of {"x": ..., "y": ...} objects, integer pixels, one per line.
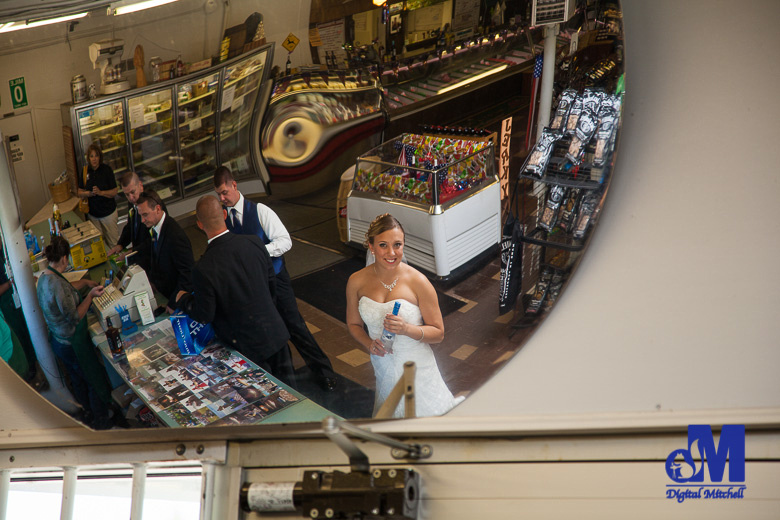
[
  {"x": 326, "y": 289},
  {"x": 349, "y": 400}
]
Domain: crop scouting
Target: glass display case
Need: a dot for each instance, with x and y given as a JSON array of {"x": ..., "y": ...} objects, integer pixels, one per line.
[
  {"x": 152, "y": 143},
  {"x": 175, "y": 133},
  {"x": 239, "y": 92},
  {"x": 104, "y": 125},
  {"x": 197, "y": 120},
  {"x": 444, "y": 190}
]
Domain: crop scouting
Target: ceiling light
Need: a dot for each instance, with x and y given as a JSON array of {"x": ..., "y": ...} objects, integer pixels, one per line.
[
  {"x": 131, "y": 7},
  {"x": 16, "y": 26},
  {"x": 472, "y": 79}
]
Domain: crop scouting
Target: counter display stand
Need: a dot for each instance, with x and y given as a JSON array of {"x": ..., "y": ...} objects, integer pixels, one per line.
[
  {"x": 175, "y": 133},
  {"x": 444, "y": 191},
  {"x": 568, "y": 172}
]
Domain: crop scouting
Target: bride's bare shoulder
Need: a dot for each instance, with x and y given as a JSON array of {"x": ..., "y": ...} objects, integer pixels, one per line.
[{"x": 357, "y": 278}]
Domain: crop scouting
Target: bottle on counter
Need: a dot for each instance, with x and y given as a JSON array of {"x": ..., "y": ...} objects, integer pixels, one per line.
[
  {"x": 288, "y": 65},
  {"x": 56, "y": 215},
  {"x": 179, "y": 67},
  {"x": 113, "y": 335}
]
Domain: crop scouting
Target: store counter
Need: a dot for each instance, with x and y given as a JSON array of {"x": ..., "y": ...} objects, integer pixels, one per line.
[{"x": 217, "y": 387}]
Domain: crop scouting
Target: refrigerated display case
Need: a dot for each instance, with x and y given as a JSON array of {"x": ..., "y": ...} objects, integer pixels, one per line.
[
  {"x": 444, "y": 191},
  {"x": 175, "y": 133},
  {"x": 152, "y": 144},
  {"x": 240, "y": 85},
  {"x": 197, "y": 102}
]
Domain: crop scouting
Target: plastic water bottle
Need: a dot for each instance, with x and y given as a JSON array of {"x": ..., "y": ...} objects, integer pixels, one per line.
[{"x": 388, "y": 337}]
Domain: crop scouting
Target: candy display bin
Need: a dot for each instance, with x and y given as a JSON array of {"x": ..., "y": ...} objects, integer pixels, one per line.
[{"x": 444, "y": 191}]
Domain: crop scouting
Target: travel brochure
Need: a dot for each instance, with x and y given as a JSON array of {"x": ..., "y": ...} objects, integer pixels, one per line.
[{"x": 216, "y": 387}]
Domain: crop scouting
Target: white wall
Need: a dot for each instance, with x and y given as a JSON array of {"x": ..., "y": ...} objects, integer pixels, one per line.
[
  {"x": 48, "y": 57},
  {"x": 676, "y": 304}
]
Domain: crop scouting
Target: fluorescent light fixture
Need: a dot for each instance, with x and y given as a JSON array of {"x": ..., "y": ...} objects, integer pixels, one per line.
[
  {"x": 472, "y": 79},
  {"x": 127, "y": 7},
  {"x": 16, "y": 26}
]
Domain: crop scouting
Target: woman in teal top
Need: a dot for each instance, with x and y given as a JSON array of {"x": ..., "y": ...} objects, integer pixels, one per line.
[
  {"x": 11, "y": 349},
  {"x": 65, "y": 313}
]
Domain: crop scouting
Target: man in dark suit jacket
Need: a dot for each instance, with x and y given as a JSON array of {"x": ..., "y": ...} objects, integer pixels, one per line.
[
  {"x": 232, "y": 285},
  {"x": 135, "y": 231},
  {"x": 171, "y": 251}
]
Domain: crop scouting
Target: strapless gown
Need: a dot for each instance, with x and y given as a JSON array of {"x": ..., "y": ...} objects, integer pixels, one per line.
[{"x": 432, "y": 397}]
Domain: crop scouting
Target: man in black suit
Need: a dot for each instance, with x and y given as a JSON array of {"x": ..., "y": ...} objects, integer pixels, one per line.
[
  {"x": 171, "y": 251},
  {"x": 134, "y": 232},
  {"x": 233, "y": 290}
]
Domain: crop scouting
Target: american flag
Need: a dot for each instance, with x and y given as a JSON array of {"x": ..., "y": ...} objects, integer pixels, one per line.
[{"x": 534, "y": 93}]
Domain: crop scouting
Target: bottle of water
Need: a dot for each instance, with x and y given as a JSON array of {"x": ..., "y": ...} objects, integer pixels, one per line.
[{"x": 388, "y": 337}]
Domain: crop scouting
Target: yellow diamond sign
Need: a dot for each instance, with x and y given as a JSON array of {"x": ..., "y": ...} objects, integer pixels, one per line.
[{"x": 290, "y": 42}]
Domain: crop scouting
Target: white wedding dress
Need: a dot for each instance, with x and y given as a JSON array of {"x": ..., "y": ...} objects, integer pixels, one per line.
[{"x": 432, "y": 397}]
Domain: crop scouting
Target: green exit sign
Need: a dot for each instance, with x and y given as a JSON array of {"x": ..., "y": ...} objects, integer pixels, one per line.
[{"x": 18, "y": 92}]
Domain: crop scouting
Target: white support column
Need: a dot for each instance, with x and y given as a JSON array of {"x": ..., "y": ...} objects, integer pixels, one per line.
[
  {"x": 5, "y": 489},
  {"x": 548, "y": 74},
  {"x": 18, "y": 258},
  {"x": 139, "y": 489},
  {"x": 68, "y": 492}
]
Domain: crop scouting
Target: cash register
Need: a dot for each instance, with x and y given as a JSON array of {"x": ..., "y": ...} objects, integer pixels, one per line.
[{"x": 129, "y": 282}]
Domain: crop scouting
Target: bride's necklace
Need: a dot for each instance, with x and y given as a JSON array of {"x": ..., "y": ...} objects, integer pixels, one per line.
[{"x": 389, "y": 287}]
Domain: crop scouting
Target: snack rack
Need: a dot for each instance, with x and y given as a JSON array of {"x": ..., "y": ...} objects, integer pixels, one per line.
[
  {"x": 566, "y": 198},
  {"x": 443, "y": 190}
]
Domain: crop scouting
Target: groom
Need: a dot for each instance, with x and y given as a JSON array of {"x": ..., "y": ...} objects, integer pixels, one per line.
[{"x": 233, "y": 284}]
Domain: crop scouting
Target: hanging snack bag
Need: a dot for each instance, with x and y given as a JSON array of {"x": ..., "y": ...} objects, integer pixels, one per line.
[
  {"x": 540, "y": 156},
  {"x": 586, "y": 127},
  {"x": 605, "y": 134},
  {"x": 574, "y": 116},
  {"x": 586, "y": 213},
  {"x": 542, "y": 286},
  {"x": 552, "y": 207},
  {"x": 569, "y": 209},
  {"x": 562, "y": 112}
]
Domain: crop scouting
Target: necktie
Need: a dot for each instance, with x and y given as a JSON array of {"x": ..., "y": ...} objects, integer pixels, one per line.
[
  {"x": 236, "y": 222},
  {"x": 154, "y": 240}
]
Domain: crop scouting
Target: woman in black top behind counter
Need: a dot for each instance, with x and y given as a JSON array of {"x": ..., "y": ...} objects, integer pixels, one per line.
[{"x": 100, "y": 189}]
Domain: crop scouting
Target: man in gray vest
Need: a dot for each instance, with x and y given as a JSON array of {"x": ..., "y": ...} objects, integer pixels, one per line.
[{"x": 250, "y": 218}]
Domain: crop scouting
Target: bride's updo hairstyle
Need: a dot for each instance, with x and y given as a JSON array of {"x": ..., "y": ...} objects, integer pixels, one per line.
[{"x": 381, "y": 224}]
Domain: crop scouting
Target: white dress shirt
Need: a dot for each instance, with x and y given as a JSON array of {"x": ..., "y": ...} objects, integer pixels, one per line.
[
  {"x": 216, "y": 237},
  {"x": 271, "y": 224},
  {"x": 158, "y": 227}
]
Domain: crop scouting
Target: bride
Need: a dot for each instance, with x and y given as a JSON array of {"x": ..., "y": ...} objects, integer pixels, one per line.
[{"x": 371, "y": 294}]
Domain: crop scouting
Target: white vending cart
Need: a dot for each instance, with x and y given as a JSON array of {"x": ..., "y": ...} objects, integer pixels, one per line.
[{"x": 443, "y": 190}]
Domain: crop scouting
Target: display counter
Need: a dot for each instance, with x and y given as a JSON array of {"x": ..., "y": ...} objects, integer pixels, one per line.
[
  {"x": 444, "y": 191},
  {"x": 217, "y": 387}
]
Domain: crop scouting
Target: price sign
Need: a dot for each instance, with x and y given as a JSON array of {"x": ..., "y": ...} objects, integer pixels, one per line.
[
  {"x": 18, "y": 92},
  {"x": 291, "y": 42}
]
